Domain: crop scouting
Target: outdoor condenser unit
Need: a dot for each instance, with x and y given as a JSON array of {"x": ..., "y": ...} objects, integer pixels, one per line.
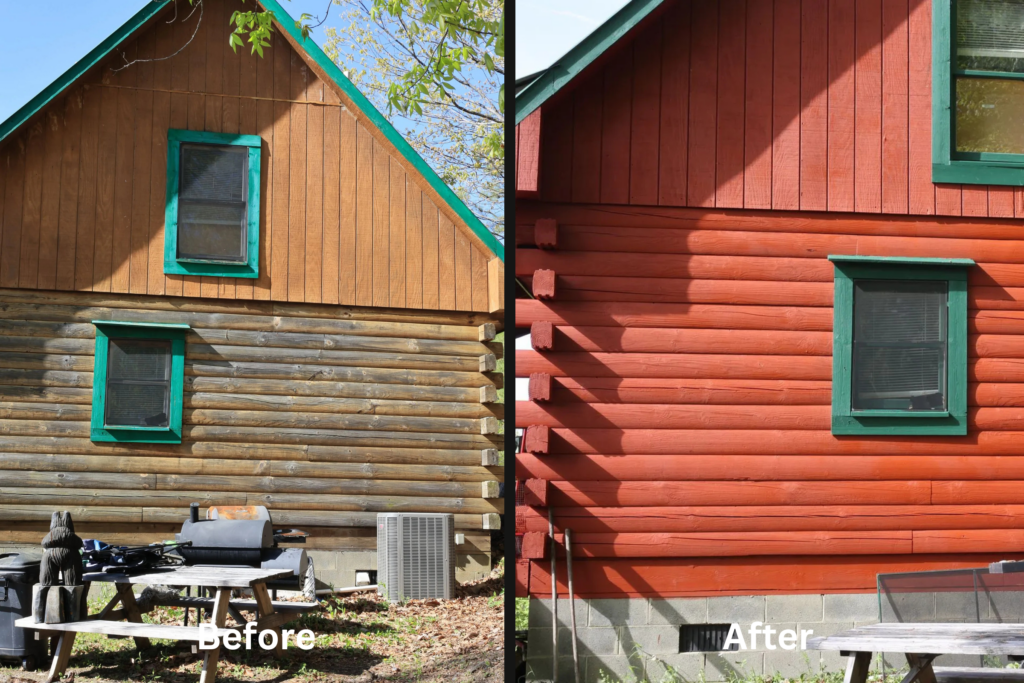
[{"x": 415, "y": 555}]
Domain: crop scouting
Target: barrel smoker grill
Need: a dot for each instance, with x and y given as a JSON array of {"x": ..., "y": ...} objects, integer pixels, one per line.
[{"x": 245, "y": 537}]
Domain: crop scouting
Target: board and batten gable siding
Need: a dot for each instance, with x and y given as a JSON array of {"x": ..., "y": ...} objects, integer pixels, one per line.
[
  {"x": 688, "y": 420},
  {"x": 820, "y": 105},
  {"x": 324, "y": 416},
  {"x": 344, "y": 219}
]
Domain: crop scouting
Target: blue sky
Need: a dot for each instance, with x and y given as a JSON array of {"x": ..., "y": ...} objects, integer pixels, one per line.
[
  {"x": 32, "y": 59},
  {"x": 547, "y": 29}
]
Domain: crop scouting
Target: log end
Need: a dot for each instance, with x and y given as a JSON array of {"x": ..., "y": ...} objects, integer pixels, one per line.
[
  {"x": 487, "y": 332},
  {"x": 535, "y": 545},
  {"x": 490, "y": 425},
  {"x": 492, "y": 520},
  {"x": 488, "y": 394},
  {"x": 488, "y": 363},
  {"x": 544, "y": 284},
  {"x": 489, "y": 457},
  {"x": 535, "y": 492},
  {"x": 545, "y": 233},
  {"x": 489, "y": 489},
  {"x": 536, "y": 439},
  {"x": 542, "y": 335},
  {"x": 540, "y": 386}
]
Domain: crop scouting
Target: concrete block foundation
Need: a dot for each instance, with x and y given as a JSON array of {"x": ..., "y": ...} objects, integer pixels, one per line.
[{"x": 638, "y": 639}]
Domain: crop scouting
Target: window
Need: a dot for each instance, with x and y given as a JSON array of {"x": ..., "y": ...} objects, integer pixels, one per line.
[
  {"x": 899, "y": 345},
  {"x": 138, "y": 379},
  {"x": 978, "y": 92},
  {"x": 213, "y": 204}
]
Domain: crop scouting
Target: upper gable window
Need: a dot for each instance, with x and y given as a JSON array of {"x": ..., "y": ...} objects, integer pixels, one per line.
[
  {"x": 978, "y": 92},
  {"x": 213, "y": 204}
]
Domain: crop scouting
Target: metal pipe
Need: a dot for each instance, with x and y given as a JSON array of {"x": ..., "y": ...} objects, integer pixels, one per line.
[
  {"x": 349, "y": 589},
  {"x": 572, "y": 605},
  {"x": 554, "y": 599}
]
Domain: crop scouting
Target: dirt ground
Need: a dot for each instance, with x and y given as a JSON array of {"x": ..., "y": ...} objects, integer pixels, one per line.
[{"x": 358, "y": 638}]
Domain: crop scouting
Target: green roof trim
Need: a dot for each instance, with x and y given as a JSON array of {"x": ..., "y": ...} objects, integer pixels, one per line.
[
  {"x": 15, "y": 120},
  {"x": 125, "y": 323},
  {"x": 566, "y": 68},
  {"x": 286, "y": 22},
  {"x": 902, "y": 260}
]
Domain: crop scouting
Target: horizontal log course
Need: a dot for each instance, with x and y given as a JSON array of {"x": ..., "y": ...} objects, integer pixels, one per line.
[
  {"x": 745, "y": 544},
  {"x": 788, "y": 543},
  {"x": 249, "y": 451},
  {"x": 264, "y": 468},
  {"x": 336, "y": 405},
  {"x": 675, "y": 493},
  {"x": 309, "y": 325},
  {"x": 678, "y": 416},
  {"x": 332, "y": 437},
  {"x": 713, "y": 366},
  {"x": 181, "y": 499},
  {"x": 700, "y": 267},
  {"x": 1002, "y": 490},
  {"x": 331, "y": 389},
  {"x": 763, "y": 221},
  {"x": 711, "y": 316},
  {"x": 257, "y": 308},
  {"x": 761, "y": 575},
  {"x": 44, "y": 411},
  {"x": 773, "y": 442},
  {"x": 315, "y": 486},
  {"x": 45, "y": 378},
  {"x": 892, "y": 467},
  {"x": 259, "y": 354},
  {"x": 51, "y": 345},
  {"x": 655, "y": 315},
  {"x": 696, "y": 391},
  {"x": 810, "y": 245},
  {"x": 45, "y": 361},
  {"x": 745, "y": 518},
  {"x": 635, "y": 340},
  {"x": 38, "y": 328},
  {"x": 45, "y": 394},
  {"x": 338, "y": 342},
  {"x": 334, "y": 373},
  {"x": 271, "y": 418},
  {"x": 273, "y": 435}
]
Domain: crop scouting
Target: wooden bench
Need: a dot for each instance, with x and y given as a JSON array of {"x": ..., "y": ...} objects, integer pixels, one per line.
[
  {"x": 967, "y": 674},
  {"x": 124, "y": 628}
]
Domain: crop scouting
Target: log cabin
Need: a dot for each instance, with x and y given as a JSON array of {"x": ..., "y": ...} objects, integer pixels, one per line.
[
  {"x": 228, "y": 279},
  {"x": 772, "y": 266}
]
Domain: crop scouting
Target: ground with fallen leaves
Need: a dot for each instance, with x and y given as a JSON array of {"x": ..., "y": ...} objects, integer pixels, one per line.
[{"x": 358, "y": 638}]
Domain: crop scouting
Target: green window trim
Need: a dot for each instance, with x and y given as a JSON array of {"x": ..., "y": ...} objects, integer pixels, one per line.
[
  {"x": 172, "y": 266},
  {"x": 105, "y": 329},
  {"x": 846, "y": 421},
  {"x": 948, "y": 165}
]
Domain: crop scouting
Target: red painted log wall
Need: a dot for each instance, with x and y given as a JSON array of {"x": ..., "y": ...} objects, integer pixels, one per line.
[{"x": 699, "y": 177}]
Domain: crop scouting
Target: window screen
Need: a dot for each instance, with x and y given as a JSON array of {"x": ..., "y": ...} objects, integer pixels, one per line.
[
  {"x": 212, "y": 203},
  {"x": 899, "y": 345},
  {"x": 138, "y": 383}
]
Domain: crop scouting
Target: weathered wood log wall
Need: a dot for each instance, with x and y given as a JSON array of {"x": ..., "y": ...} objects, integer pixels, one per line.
[
  {"x": 682, "y": 417},
  {"x": 326, "y": 415},
  {"x": 344, "y": 218}
]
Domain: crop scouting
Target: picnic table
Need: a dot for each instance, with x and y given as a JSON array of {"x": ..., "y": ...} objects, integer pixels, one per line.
[
  {"x": 127, "y": 620},
  {"x": 922, "y": 643}
]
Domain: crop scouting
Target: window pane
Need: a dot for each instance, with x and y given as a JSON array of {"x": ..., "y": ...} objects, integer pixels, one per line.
[
  {"x": 138, "y": 382},
  {"x": 138, "y": 360},
  {"x": 139, "y": 405},
  {"x": 990, "y": 35},
  {"x": 214, "y": 172},
  {"x": 211, "y": 231},
  {"x": 989, "y": 115},
  {"x": 899, "y": 345}
]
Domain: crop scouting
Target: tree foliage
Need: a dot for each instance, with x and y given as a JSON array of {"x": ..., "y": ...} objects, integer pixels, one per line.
[{"x": 437, "y": 67}]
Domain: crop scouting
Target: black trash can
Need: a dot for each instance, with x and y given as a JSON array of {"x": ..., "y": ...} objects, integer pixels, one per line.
[{"x": 18, "y": 573}]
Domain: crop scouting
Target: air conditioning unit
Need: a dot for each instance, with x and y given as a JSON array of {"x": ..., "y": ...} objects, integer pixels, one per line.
[{"x": 415, "y": 555}]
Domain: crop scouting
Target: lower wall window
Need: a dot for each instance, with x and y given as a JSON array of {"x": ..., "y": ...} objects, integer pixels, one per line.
[
  {"x": 899, "y": 363},
  {"x": 138, "y": 380}
]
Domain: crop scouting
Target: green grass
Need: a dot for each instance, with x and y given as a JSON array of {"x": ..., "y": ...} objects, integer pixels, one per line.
[{"x": 522, "y": 613}]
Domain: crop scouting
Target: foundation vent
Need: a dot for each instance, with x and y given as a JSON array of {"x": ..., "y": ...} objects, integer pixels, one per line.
[{"x": 705, "y": 638}]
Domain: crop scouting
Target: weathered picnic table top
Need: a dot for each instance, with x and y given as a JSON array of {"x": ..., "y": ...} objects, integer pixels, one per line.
[
  {"x": 967, "y": 639},
  {"x": 213, "y": 577}
]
